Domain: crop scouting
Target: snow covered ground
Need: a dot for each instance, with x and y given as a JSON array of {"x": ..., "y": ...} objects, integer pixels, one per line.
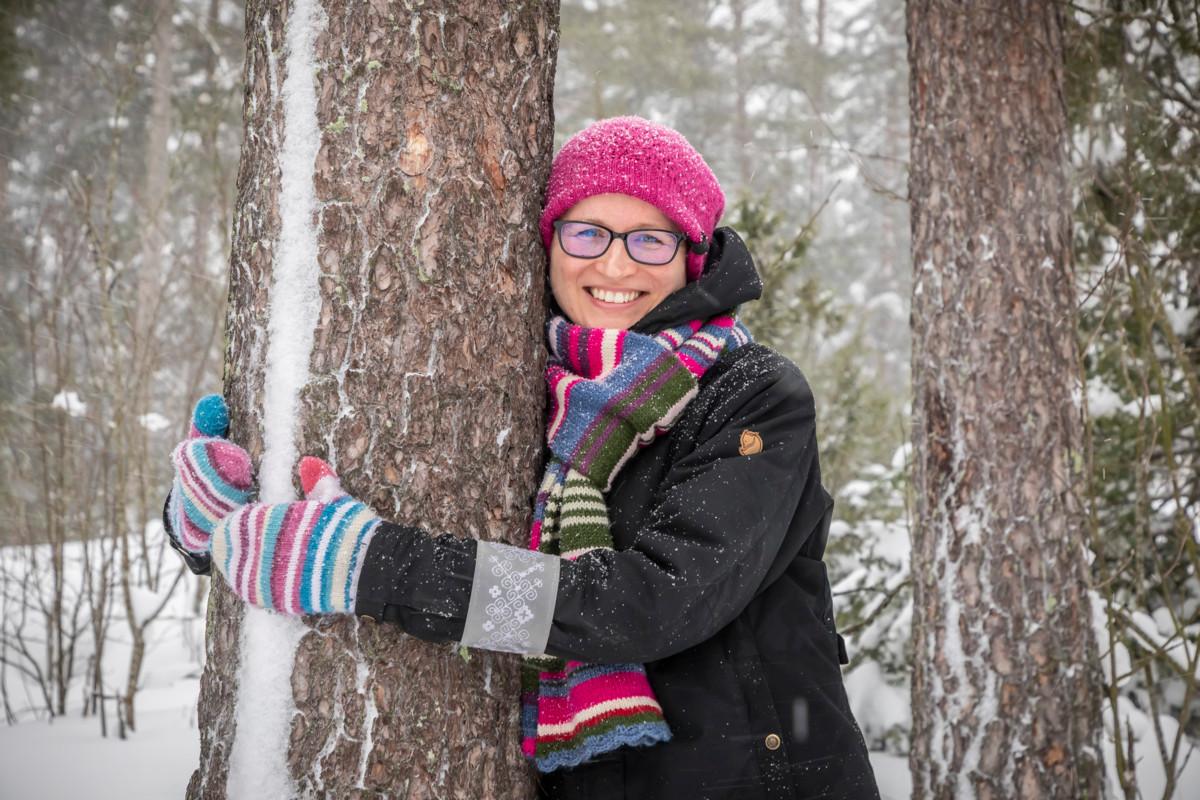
[{"x": 68, "y": 758}]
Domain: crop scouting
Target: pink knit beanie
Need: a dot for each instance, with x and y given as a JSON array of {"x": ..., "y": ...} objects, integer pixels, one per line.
[{"x": 640, "y": 158}]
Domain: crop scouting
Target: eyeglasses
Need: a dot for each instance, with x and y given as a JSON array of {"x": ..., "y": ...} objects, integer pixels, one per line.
[{"x": 645, "y": 245}]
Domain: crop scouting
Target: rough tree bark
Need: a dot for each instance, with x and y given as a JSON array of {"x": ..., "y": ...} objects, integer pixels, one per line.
[
  {"x": 425, "y": 393},
  {"x": 1005, "y": 676}
]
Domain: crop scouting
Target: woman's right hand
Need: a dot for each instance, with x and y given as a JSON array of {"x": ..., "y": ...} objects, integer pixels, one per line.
[
  {"x": 213, "y": 477},
  {"x": 302, "y": 557}
]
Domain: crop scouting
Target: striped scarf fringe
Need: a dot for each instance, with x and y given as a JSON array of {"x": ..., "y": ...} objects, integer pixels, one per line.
[{"x": 611, "y": 393}]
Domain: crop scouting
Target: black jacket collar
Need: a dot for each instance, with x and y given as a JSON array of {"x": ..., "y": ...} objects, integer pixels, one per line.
[{"x": 729, "y": 279}]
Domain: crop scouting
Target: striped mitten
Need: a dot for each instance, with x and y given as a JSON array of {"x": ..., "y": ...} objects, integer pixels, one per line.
[
  {"x": 302, "y": 557},
  {"x": 212, "y": 476}
]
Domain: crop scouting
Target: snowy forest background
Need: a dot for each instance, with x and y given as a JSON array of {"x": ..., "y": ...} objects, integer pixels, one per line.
[{"x": 111, "y": 328}]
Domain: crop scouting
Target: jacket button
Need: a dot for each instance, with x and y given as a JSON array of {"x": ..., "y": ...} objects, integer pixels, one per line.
[{"x": 772, "y": 741}]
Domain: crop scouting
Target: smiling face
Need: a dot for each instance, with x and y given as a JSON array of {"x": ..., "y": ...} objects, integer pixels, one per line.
[{"x": 613, "y": 291}]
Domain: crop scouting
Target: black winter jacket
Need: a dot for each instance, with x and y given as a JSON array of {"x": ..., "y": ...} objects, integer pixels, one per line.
[{"x": 716, "y": 583}]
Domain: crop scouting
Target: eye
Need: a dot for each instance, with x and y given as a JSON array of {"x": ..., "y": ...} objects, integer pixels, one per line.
[
  {"x": 585, "y": 232},
  {"x": 651, "y": 239}
]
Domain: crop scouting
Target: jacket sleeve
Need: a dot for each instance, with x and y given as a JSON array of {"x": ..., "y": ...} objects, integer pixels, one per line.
[
  {"x": 717, "y": 524},
  {"x": 419, "y": 581}
]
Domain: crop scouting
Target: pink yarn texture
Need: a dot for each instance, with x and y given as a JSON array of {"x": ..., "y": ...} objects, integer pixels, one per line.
[{"x": 642, "y": 159}]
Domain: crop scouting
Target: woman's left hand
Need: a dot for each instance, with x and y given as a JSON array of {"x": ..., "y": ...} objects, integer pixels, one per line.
[
  {"x": 212, "y": 478},
  {"x": 302, "y": 557}
]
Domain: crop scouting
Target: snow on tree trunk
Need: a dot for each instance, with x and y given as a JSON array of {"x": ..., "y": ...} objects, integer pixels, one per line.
[
  {"x": 1005, "y": 682},
  {"x": 423, "y": 382}
]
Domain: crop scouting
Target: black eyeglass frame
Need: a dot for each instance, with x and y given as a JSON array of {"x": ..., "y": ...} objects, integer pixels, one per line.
[{"x": 679, "y": 238}]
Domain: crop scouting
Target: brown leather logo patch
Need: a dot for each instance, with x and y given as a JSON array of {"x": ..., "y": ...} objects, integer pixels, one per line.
[{"x": 750, "y": 443}]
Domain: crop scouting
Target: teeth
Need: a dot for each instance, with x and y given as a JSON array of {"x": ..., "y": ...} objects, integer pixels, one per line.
[{"x": 614, "y": 297}]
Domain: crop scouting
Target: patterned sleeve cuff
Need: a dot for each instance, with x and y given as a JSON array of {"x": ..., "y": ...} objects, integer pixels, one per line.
[{"x": 512, "y": 599}]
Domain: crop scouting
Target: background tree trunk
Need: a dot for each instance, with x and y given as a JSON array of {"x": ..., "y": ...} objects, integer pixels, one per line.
[
  {"x": 425, "y": 386},
  {"x": 1005, "y": 679}
]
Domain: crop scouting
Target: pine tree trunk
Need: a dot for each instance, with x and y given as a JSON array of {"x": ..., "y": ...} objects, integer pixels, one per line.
[
  {"x": 1005, "y": 678},
  {"x": 424, "y": 389}
]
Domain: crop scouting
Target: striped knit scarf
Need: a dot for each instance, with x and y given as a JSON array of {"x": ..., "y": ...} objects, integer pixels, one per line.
[{"x": 611, "y": 392}]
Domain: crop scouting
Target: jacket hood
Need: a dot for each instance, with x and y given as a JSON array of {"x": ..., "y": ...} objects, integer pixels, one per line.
[{"x": 729, "y": 279}]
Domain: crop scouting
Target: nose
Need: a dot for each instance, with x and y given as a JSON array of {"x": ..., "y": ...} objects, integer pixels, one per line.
[{"x": 616, "y": 263}]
